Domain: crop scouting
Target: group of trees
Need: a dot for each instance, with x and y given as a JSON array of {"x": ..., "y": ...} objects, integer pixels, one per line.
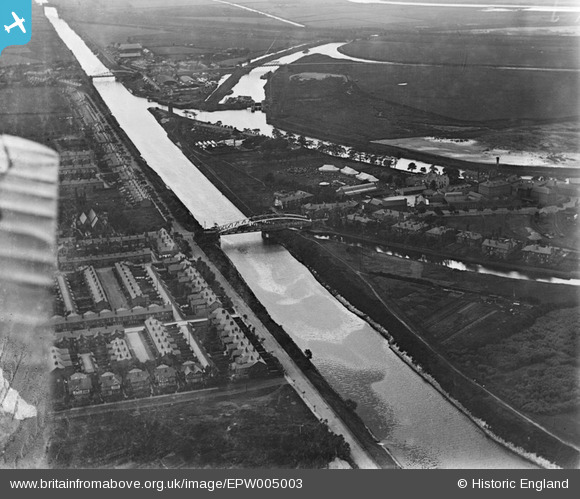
[
  {"x": 330, "y": 148},
  {"x": 535, "y": 368}
]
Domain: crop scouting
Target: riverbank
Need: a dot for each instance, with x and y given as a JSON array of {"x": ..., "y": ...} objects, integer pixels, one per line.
[
  {"x": 418, "y": 253},
  {"x": 357, "y": 113},
  {"x": 409, "y": 361},
  {"x": 212, "y": 102},
  {"x": 480, "y": 404},
  {"x": 460, "y": 388},
  {"x": 350, "y": 140}
]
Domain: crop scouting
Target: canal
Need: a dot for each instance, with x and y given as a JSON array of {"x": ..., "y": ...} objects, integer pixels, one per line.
[{"x": 419, "y": 425}]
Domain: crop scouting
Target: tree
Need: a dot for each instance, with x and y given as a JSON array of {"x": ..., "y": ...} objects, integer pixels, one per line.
[
  {"x": 412, "y": 167},
  {"x": 351, "y": 404},
  {"x": 321, "y": 147},
  {"x": 308, "y": 353},
  {"x": 335, "y": 149},
  {"x": 452, "y": 173},
  {"x": 292, "y": 139},
  {"x": 304, "y": 142}
]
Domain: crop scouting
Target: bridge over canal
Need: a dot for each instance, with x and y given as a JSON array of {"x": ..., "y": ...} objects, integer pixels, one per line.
[{"x": 262, "y": 223}]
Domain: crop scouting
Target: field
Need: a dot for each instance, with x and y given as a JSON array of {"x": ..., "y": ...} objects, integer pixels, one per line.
[
  {"x": 467, "y": 49},
  {"x": 342, "y": 14},
  {"x": 434, "y": 95},
  {"x": 37, "y": 110},
  {"x": 535, "y": 368},
  {"x": 457, "y": 84},
  {"x": 207, "y": 23},
  {"x": 187, "y": 28},
  {"x": 268, "y": 428},
  {"x": 36, "y": 113},
  {"x": 44, "y": 46}
]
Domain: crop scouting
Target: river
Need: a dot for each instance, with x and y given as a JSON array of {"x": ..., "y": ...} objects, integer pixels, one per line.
[
  {"x": 253, "y": 83},
  {"x": 419, "y": 425}
]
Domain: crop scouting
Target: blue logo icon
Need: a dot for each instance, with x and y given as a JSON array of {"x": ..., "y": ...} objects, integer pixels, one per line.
[{"x": 15, "y": 22}]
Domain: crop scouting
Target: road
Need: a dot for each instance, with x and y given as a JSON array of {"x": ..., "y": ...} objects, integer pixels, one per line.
[
  {"x": 163, "y": 293},
  {"x": 305, "y": 389},
  {"x": 170, "y": 399}
]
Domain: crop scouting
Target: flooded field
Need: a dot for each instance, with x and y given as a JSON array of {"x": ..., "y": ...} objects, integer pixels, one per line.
[{"x": 478, "y": 152}]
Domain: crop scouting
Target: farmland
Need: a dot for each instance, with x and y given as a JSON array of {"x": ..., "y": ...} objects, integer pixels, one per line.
[
  {"x": 29, "y": 113},
  {"x": 452, "y": 81},
  {"x": 38, "y": 107},
  {"x": 467, "y": 49},
  {"x": 44, "y": 46},
  {"x": 188, "y": 28},
  {"x": 206, "y": 24}
]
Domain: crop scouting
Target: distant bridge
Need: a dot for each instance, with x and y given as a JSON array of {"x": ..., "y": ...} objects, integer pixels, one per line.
[
  {"x": 262, "y": 223},
  {"x": 104, "y": 74}
]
